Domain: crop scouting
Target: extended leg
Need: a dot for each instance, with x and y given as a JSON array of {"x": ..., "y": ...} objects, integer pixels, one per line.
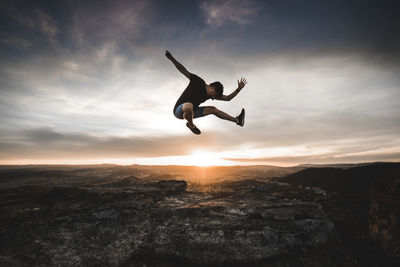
[{"x": 220, "y": 114}]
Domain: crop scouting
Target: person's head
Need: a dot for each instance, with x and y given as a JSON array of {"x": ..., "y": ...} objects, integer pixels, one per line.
[{"x": 216, "y": 89}]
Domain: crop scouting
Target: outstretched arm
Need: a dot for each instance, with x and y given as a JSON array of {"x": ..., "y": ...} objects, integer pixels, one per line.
[
  {"x": 178, "y": 65},
  {"x": 241, "y": 84}
]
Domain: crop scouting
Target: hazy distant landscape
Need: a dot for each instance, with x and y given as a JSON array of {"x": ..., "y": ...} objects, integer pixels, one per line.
[
  {"x": 336, "y": 215},
  {"x": 96, "y": 174}
]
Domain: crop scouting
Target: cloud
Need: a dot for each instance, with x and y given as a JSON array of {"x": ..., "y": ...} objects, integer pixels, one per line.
[
  {"x": 45, "y": 23},
  {"x": 217, "y": 13},
  {"x": 50, "y": 144},
  {"x": 17, "y": 41},
  {"x": 37, "y": 20},
  {"x": 321, "y": 159},
  {"x": 291, "y": 101},
  {"x": 106, "y": 89},
  {"x": 47, "y": 143},
  {"x": 108, "y": 22}
]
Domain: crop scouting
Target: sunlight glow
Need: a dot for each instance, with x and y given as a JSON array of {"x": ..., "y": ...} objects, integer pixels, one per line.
[
  {"x": 203, "y": 158},
  {"x": 197, "y": 158}
]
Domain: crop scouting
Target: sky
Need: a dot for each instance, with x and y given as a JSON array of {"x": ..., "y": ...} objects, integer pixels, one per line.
[{"x": 88, "y": 81}]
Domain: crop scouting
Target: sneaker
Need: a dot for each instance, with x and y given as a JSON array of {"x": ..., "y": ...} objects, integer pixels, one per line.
[
  {"x": 240, "y": 118},
  {"x": 195, "y": 130}
]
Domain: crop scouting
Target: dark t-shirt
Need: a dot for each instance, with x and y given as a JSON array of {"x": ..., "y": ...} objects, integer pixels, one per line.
[{"x": 194, "y": 93}]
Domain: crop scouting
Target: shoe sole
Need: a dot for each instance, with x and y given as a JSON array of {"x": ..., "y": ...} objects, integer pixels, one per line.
[
  {"x": 244, "y": 113},
  {"x": 195, "y": 130}
]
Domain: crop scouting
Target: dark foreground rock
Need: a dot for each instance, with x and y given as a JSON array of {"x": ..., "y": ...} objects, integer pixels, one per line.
[
  {"x": 129, "y": 222},
  {"x": 364, "y": 204},
  {"x": 384, "y": 215}
]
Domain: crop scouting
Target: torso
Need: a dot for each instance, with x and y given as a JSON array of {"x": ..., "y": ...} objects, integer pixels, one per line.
[{"x": 194, "y": 93}]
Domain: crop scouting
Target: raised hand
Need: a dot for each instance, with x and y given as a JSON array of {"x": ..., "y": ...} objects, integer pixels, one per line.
[
  {"x": 168, "y": 55},
  {"x": 241, "y": 83}
]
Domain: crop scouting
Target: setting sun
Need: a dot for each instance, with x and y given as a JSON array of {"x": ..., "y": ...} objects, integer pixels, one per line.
[{"x": 204, "y": 159}]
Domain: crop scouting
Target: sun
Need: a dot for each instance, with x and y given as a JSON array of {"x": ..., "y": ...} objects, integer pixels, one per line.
[{"x": 203, "y": 159}]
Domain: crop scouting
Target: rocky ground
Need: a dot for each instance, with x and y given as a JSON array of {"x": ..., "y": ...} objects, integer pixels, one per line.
[
  {"x": 364, "y": 204},
  {"x": 117, "y": 219}
]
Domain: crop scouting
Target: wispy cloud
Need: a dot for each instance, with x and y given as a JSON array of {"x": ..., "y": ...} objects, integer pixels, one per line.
[
  {"x": 322, "y": 159},
  {"x": 17, "y": 42},
  {"x": 48, "y": 143},
  {"x": 37, "y": 20},
  {"x": 45, "y": 23},
  {"x": 217, "y": 13},
  {"x": 116, "y": 21}
]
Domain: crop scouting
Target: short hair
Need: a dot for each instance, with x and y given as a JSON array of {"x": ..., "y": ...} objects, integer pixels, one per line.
[{"x": 219, "y": 88}]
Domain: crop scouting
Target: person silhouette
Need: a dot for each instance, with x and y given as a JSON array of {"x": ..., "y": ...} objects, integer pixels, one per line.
[{"x": 188, "y": 104}]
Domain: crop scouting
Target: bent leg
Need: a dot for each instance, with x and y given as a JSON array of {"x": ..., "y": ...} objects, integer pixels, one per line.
[
  {"x": 187, "y": 109},
  {"x": 220, "y": 114},
  {"x": 188, "y": 115}
]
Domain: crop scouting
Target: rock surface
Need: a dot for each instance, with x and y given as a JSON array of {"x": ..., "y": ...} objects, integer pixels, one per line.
[
  {"x": 131, "y": 222},
  {"x": 363, "y": 203},
  {"x": 145, "y": 216},
  {"x": 384, "y": 215}
]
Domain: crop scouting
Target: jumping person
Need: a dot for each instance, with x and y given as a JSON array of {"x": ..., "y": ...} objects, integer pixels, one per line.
[{"x": 187, "y": 106}]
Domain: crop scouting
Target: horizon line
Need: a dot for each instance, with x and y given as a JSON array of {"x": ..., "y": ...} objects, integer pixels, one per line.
[{"x": 210, "y": 166}]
